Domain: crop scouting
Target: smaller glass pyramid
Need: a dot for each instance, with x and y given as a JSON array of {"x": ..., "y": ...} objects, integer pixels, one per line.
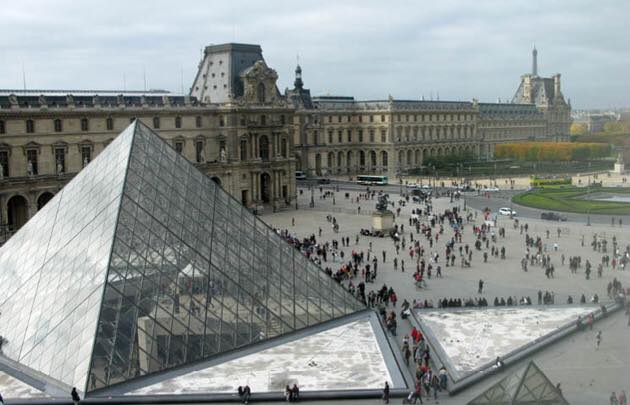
[{"x": 527, "y": 386}]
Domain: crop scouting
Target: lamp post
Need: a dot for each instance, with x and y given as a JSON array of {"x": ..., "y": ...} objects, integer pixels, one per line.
[
  {"x": 312, "y": 203},
  {"x": 588, "y": 209}
]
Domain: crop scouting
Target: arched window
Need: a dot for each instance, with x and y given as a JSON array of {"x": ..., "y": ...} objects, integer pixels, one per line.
[
  {"x": 58, "y": 125},
  {"x": 178, "y": 122},
  {"x": 243, "y": 146},
  {"x": 263, "y": 145},
  {"x": 85, "y": 125},
  {"x": 260, "y": 93}
]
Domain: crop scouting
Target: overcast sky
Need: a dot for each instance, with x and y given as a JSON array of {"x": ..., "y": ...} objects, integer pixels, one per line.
[{"x": 366, "y": 49}]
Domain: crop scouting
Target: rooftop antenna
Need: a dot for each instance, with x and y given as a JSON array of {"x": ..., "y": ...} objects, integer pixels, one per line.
[{"x": 23, "y": 76}]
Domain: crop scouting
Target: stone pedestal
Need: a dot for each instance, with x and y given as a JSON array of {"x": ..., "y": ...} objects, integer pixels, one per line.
[
  {"x": 620, "y": 168},
  {"x": 382, "y": 221}
]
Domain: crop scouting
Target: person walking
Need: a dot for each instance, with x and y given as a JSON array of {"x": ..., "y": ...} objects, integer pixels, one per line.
[
  {"x": 622, "y": 398},
  {"x": 598, "y": 339},
  {"x": 480, "y": 289},
  {"x": 386, "y": 393},
  {"x": 75, "y": 396}
]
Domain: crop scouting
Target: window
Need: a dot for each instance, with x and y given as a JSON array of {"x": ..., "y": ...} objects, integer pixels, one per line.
[
  {"x": 330, "y": 136},
  {"x": 221, "y": 121},
  {"x": 282, "y": 120},
  {"x": 283, "y": 147},
  {"x": 360, "y": 135},
  {"x": 263, "y": 120},
  {"x": 178, "y": 122},
  {"x": 243, "y": 120},
  {"x": 199, "y": 151},
  {"x": 85, "y": 125},
  {"x": 156, "y": 122},
  {"x": 329, "y": 119},
  {"x": 198, "y": 121},
  {"x": 340, "y": 136},
  {"x": 179, "y": 147},
  {"x": 371, "y": 118},
  {"x": 243, "y": 146},
  {"x": 31, "y": 157},
  {"x": 260, "y": 93},
  {"x": 349, "y": 135},
  {"x": 4, "y": 163},
  {"x": 382, "y": 118},
  {"x": 30, "y": 126},
  {"x": 371, "y": 135},
  {"x": 2, "y": 127},
  {"x": 109, "y": 124},
  {"x": 383, "y": 136},
  {"x": 58, "y": 125},
  {"x": 86, "y": 155},
  {"x": 60, "y": 160},
  {"x": 263, "y": 144}
]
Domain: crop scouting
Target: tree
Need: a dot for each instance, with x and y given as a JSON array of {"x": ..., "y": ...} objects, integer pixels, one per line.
[{"x": 578, "y": 128}]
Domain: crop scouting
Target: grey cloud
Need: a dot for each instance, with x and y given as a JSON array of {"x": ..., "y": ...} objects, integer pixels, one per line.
[{"x": 368, "y": 49}]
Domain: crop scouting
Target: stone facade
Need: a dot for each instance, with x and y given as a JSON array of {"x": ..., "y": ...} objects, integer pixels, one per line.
[
  {"x": 244, "y": 143},
  {"x": 344, "y": 136}
]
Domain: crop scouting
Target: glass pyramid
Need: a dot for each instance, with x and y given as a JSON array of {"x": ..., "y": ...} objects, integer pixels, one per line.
[
  {"x": 142, "y": 263},
  {"x": 527, "y": 386}
]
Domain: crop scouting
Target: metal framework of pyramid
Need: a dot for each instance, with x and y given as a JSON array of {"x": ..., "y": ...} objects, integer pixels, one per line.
[
  {"x": 527, "y": 386},
  {"x": 142, "y": 263}
]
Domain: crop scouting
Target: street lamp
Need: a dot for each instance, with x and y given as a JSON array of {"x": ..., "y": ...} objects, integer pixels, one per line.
[
  {"x": 312, "y": 203},
  {"x": 588, "y": 208}
]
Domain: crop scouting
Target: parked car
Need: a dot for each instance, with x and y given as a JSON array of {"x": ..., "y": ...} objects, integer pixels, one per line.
[
  {"x": 553, "y": 216},
  {"x": 491, "y": 189},
  {"x": 299, "y": 175},
  {"x": 507, "y": 211},
  {"x": 323, "y": 180}
]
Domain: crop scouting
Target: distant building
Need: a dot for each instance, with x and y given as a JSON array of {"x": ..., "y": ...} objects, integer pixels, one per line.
[
  {"x": 341, "y": 135},
  {"x": 596, "y": 122}
]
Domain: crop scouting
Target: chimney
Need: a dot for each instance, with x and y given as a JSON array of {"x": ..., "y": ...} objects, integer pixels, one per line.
[{"x": 556, "y": 85}]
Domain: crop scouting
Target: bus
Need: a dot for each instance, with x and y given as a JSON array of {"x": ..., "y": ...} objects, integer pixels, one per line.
[{"x": 372, "y": 180}]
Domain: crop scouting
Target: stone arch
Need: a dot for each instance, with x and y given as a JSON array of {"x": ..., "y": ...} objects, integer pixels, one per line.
[
  {"x": 340, "y": 161},
  {"x": 17, "y": 212},
  {"x": 362, "y": 160},
  {"x": 349, "y": 160},
  {"x": 216, "y": 179},
  {"x": 384, "y": 159},
  {"x": 318, "y": 164},
  {"x": 265, "y": 187},
  {"x": 43, "y": 199}
]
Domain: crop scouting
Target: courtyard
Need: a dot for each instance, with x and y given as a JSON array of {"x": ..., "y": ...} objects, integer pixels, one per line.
[{"x": 598, "y": 372}]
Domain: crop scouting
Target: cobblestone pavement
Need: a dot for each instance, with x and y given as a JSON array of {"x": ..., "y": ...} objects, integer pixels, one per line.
[{"x": 587, "y": 376}]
